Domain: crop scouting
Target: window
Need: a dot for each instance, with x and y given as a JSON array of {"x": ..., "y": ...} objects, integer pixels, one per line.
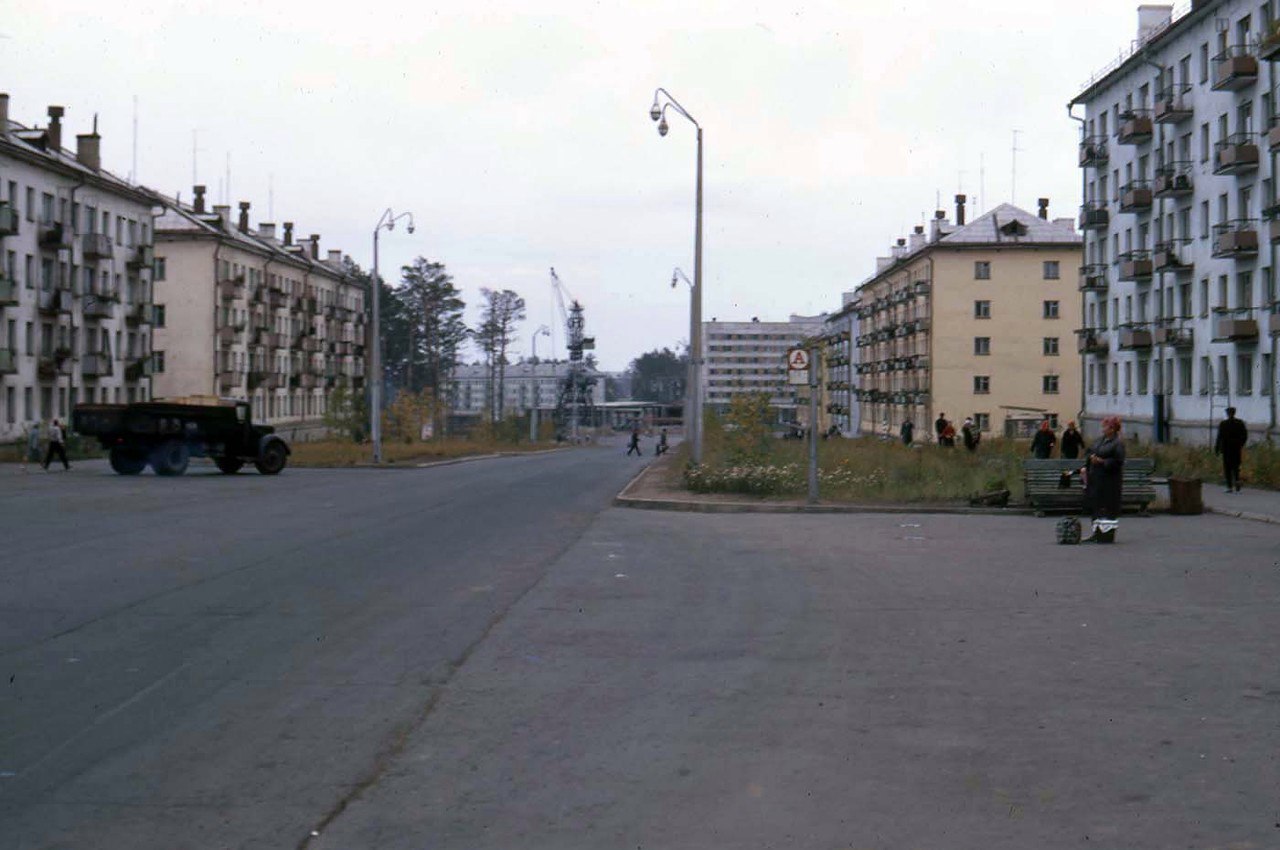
[
  {"x": 981, "y": 345},
  {"x": 1204, "y": 142},
  {"x": 982, "y": 421},
  {"x": 1264, "y": 385},
  {"x": 157, "y": 361},
  {"x": 31, "y": 204},
  {"x": 1051, "y": 309},
  {"x": 1143, "y": 372},
  {"x": 1244, "y": 374},
  {"x": 1206, "y": 376},
  {"x": 982, "y": 270},
  {"x": 1115, "y": 379},
  {"x": 982, "y": 309},
  {"x": 1128, "y": 378},
  {"x": 158, "y": 272},
  {"x": 981, "y": 384},
  {"x": 1204, "y": 297},
  {"x": 1102, "y": 379},
  {"x": 1049, "y": 383},
  {"x": 1051, "y": 346},
  {"x": 159, "y": 315},
  {"x": 1051, "y": 270},
  {"x": 1184, "y": 376}
]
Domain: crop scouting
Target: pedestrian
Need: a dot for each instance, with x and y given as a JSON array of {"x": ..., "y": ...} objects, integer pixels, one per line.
[
  {"x": 661, "y": 448},
  {"x": 908, "y": 431},
  {"x": 634, "y": 445},
  {"x": 1232, "y": 435},
  {"x": 1043, "y": 442},
  {"x": 940, "y": 425},
  {"x": 1072, "y": 442},
  {"x": 57, "y": 445},
  {"x": 1103, "y": 474},
  {"x": 969, "y": 432},
  {"x": 32, "y": 453},
  {"x": 948, "y": 435}
]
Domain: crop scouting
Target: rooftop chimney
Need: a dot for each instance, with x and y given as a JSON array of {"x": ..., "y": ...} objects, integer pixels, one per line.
[
  {"x": 89, "y": 148},
  {"x": 266, "y": 230},
  {"x": 1044, "y": 208},
  {"x": 4, "y": 114},
  {"x": 917, "y": 238},
  {"x": 223, "y": 212},
  {"x": 55, "y": 128},
  {"x": 198, "y": 204},
  {"x": 883, "y": 263},
  {"x": 960, "y": 199},
  {"x": 315, "y": 246},
  {"x": 244, "y": 217},
  {"x": 1152, "y": 19},
  {"x": 335, "y": 257},
  {"x": 288, "y": 233}
]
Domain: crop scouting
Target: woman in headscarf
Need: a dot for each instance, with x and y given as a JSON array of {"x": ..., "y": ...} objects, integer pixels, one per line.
[
  {"x": 1103, "y": 476},
  {"x": 1043, "y": 442}
]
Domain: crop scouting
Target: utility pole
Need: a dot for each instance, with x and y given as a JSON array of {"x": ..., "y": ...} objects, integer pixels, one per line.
[{"x": 813, "y": 425}]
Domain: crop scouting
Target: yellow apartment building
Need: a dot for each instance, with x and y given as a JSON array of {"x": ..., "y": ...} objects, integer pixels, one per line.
[{"x": 972, "y": 319}]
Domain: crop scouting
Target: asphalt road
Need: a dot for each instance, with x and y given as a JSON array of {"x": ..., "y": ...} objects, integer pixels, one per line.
[{"x": 486, "y": 656}]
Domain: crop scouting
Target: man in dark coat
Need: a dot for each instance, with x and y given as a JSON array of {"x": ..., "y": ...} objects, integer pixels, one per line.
[
  {"x": 1232, "y": 435},
  {"x": 907, "y": 432},
  {"x": 940, "y": 425},
  {"x": 1072, "y": 442},
  {"x": 1103, "y": 481},
  {"x": 1043, "y": 442}
]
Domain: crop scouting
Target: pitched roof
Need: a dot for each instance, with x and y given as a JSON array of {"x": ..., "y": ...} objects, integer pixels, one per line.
[{"x": 1009, "y": 224}]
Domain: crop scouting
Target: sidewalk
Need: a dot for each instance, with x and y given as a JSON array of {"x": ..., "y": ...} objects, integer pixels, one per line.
[{"x": 1258, "y": 505}]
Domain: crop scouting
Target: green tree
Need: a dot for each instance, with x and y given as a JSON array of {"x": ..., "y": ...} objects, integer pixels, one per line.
[
  {"x": 503, "y": 309},
  {"x": 659, "y": 375},
  {"x": 432, "y": 307}
]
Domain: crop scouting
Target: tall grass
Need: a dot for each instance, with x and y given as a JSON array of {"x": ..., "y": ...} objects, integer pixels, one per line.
[{"x": 1260, "y": 468}]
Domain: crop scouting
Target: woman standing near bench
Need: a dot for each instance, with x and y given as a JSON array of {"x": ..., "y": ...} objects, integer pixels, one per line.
[{"x": 1103, "y": 478}]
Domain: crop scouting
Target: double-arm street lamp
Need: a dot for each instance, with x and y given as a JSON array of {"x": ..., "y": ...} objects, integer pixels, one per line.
[
  {"x": 386, "y": 222},
  {"x": 662, "y": 101}
]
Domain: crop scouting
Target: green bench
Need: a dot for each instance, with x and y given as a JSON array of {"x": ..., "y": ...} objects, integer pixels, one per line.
[{"x": 1041, "y": 479}]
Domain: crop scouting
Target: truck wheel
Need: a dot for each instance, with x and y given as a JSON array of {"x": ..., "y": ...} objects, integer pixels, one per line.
[
  {"x": 170, "y": 458},
  {"x": 228, "y": 465},
  {"x": 272, "y": 459},
  {"x": 127, "y": 461}
]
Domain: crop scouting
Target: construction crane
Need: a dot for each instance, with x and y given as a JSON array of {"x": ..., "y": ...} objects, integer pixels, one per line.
[{"x": 575, "y": 392}]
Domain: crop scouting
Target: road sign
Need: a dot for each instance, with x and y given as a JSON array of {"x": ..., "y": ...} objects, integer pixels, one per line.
[{"x": 798, "y": 366}]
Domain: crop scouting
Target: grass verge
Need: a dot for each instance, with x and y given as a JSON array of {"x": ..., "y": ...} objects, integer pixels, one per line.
[{"x": 339, "y": 453}]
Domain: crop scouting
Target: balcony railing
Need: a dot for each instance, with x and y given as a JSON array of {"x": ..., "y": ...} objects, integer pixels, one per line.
[
  {"x": 1178, "y": 336},
  {"x": 53, "y": 301},
  {"x": 9, "y": 219},
  {"x": 1174, "y": 180},
  {"x": 1135, "y": 265},
  {"x": 1167, "y": 257},
  {"x": 54, "y": 365},
  {"x": 1091, "y": 341},
  {"x": 8, "y": 361},
  {"x": 1135, "y": 196},
  {"x": 97, "y": 366},
  {"x": 1132, "y": 337},
  {"x": 54, "y": 236},
  {"x": 143, "y": 257},
  {"x": 1093, "y": 277},
  {"x": 97, "y": 307},
  {"x": 1136, "y": 127},
  {"x": 1236, "y": 154},
  {"x": 229, "y": 290},
  {"x": 1234, "y": 326},
  {"x": 1172, "y": 104},
  {"x": 1273, "y": 320},
  {"x": 1093, "y": 152},
  {"x": 8, "y": 292},
  {"x": 1094, "y": 215},
  {"x": 1236, "y": 239},
  {"x": 96, "y": 246},
  {"x": 1235, "y": 68},
  {"x": 140, "y": 313}
]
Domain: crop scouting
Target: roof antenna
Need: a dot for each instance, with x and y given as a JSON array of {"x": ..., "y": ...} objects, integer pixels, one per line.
[{"x": 1014, "y": 187}]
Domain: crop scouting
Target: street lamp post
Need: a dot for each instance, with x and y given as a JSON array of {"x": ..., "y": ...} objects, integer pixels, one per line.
[
  {"x": 533, "y": 414},
  {"x": 677, "y": 274},
  {"x": 386, "y": 221},
  {"x": 662, "y": 100}
]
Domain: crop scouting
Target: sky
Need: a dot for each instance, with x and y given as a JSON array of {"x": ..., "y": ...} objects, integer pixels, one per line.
[{"x": 518, "y": 134}]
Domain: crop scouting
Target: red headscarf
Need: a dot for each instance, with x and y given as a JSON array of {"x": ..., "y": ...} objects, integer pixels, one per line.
[{"x": 1112, "y": 422}]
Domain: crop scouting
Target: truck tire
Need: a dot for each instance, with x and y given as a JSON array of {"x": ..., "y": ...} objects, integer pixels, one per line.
[
  {"x": 126, "y": 460},
  {"x": 272, "y": 458},
  {"x": 170, "y": 458},
  {"x": 228, "y": 465}
]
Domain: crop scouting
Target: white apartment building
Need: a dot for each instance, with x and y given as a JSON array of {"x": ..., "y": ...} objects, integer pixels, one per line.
[
  {"x": 75, "y": 269},
  {"x": 244, "y": 313},
  {"x": 1181, "y": 223},
  {"x": 750, "y": 357},
  {"x": 526, "y": 385},
  {"x": 839, "y": 335}
]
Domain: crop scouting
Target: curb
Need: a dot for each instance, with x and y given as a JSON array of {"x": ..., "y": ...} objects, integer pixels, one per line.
[
  {"x": 449, "y": 462},
  {"x": 1270, "y": 520}
]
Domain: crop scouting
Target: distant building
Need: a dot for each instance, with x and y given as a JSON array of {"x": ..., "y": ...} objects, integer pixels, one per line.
[
  {"x": 750, "y": 357},
  {"x": 839, "y": 402},
  {"x": 973, "y": 320},
  {"x": 75, "y": 277},
  {"x": 1182, "y": 223},
  {"x": 526, "y": 385},
  {"x": 244, "y": 313}
]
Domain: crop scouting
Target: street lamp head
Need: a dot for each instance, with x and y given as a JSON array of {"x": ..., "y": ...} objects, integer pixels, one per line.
[
  {"x": 410, "y": 228},
  {"x": 662, "y": 126},
  {"x": 655, "y": 111},
  {"x": 673, "y": 280}
]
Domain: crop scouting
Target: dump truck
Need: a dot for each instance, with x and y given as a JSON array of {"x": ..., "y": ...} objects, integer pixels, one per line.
[{"x": 167, "y": 433}]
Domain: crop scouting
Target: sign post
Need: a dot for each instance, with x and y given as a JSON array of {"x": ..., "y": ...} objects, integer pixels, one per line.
[{"x": 802, "y": 369}]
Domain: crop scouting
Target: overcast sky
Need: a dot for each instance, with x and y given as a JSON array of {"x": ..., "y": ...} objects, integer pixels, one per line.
[{"x": 518, "y": 133}]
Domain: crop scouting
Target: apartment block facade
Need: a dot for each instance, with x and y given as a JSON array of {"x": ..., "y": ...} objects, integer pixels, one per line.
[
  {"x": 839, "y": 403},
  {"x": 973, "y": 320},
  {"x": 1181, "y": 222},
  {"x": 750, "y": 357},
  {"x": 75, "y": 277},
  {"x": 525, "y": 385},
  {"x": 245, "y": 313}
]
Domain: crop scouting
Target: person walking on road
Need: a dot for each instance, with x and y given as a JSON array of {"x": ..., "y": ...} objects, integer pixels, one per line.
[
  {"x": 57, "y": 445},
  {"x": 907, "y": 431},
  {"x": 661, "y": 447},
  {"x": 1043, "y": 442},
  {"x": 1232, "y": 435},
  {"x": 634, "y": 445},
  {"x": 1103, "y": 474},
  {"x": 1072, "y": 442},
  {"x": 969, "y": 432}
]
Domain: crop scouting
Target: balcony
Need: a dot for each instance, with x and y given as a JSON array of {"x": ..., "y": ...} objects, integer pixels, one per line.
[
  {"x": 53, "y": 365},
  {"x": 1136, "y": 266},
  {"x": 1094, "y": 216},
  {"x": 97, "y": 366},
  {"x": 276, "y": 300},
  {"x": 54, "y": 237},
  {"x": 1234, "y": 326},
  {"x": 1172, "y": 104},
  {"x": 8, "y": 361},
  {"x": 1135, "y": 197},
  {"x": 1133, "y": 337},
  {"x": 1236, "y": 239},
  {"x": 1093, "y": 152},
  {"x": 53, "y": 301},
  {"x": 1168, "y": 257},
  {"x": 8, "y": 293},
  {"x": 1236, "y": 154},
  {"x": 1234, "y": 68},
  {"x": 1174, "y": 180},
  {"x": 229, "y": 290},
  {"x": 96, "y": 246},
  {"x": 143, "y": 257},
  {"x": 140, "y": 313},
  {"x": 139, "y": 368},
  {"x": 1091, "y": 341},
  {"x": 1093, "y": 277},
  {"x": 96, "y": 307},
  {"x": 8, "y": 220},
  {"x": 1273, "y": 136},
  {"x": 1167, "y": 333},
  {"x": 229, "y": 382},
  {"x": 1136, "y": 127},
  {"x": 1273, "y": 323},
  {"x": 257, "y": 377}
]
